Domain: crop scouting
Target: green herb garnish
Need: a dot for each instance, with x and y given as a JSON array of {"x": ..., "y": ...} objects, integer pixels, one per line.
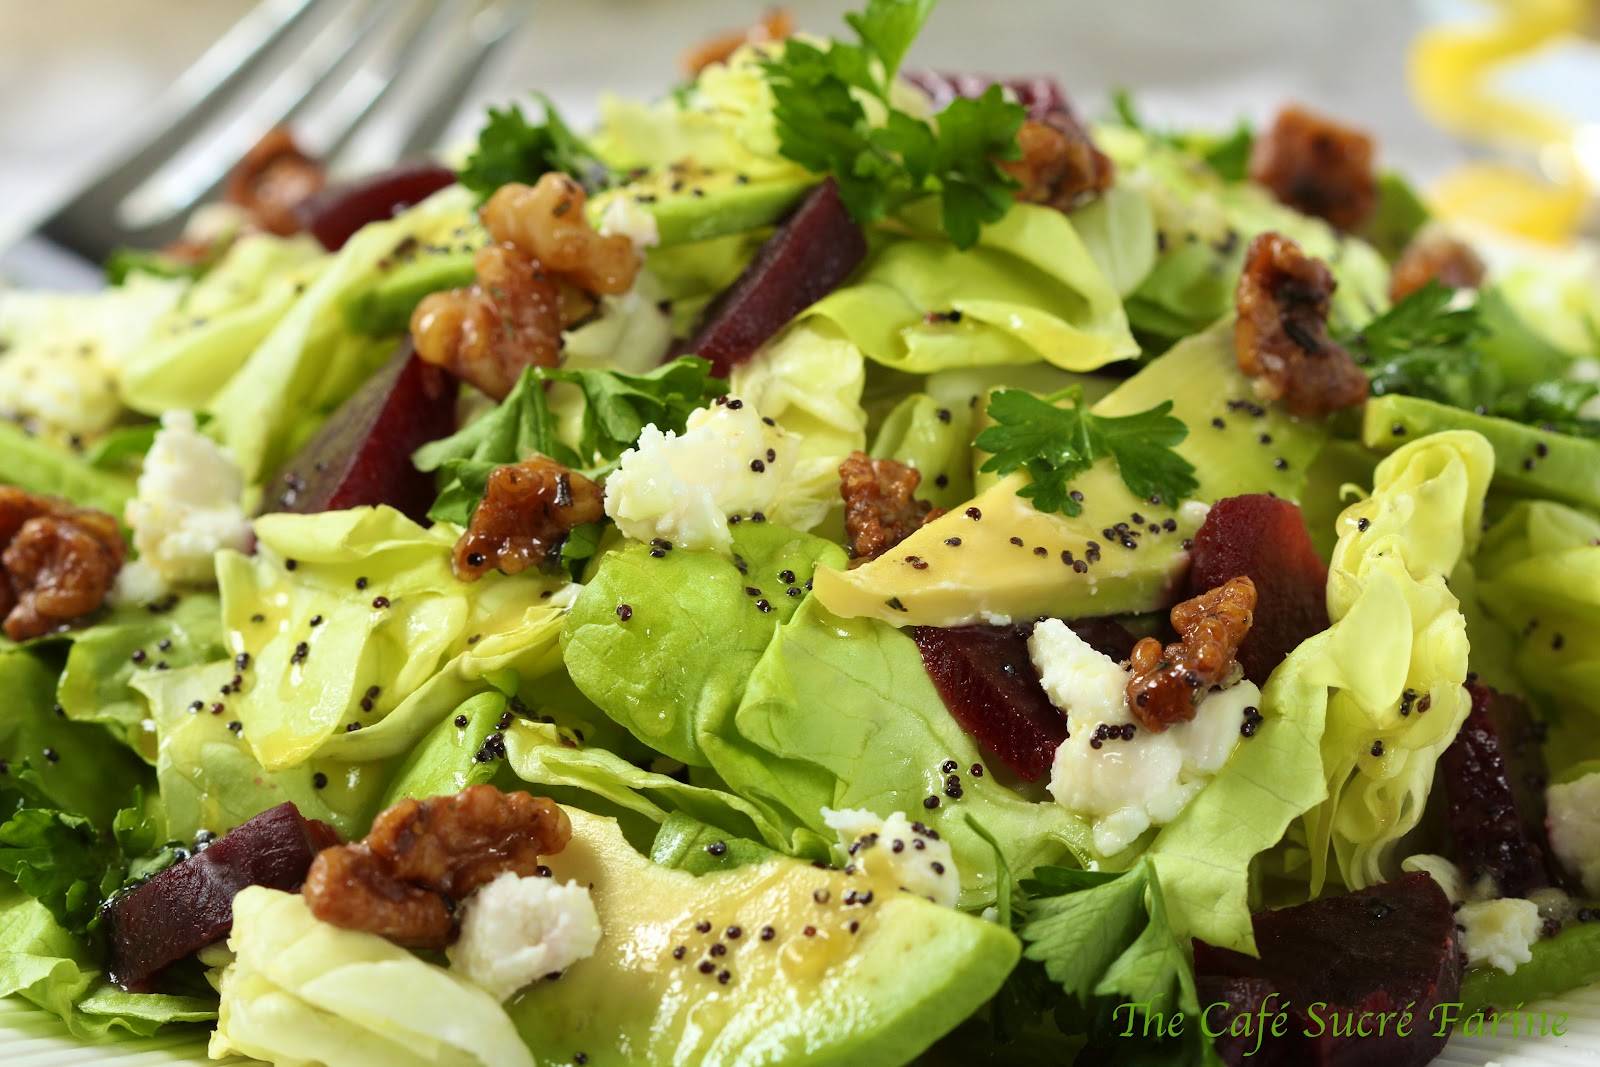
[{"x": 512, "y": 149}]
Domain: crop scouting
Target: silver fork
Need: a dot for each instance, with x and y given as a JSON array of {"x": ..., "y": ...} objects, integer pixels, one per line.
[{"x": 332, "y": 61}]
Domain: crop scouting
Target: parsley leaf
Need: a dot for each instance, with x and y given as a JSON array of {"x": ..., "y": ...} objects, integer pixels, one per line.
[
  {"x": 512, "y": 149},
  {"x": 1425, "y": 347},
  {"x": 1056, "y": 444},
  {"x": 823, "y": 125},
  {"x": 616, "y": 409}
]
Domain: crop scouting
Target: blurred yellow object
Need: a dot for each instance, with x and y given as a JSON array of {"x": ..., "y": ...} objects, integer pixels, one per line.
[{"x": 1453, "y": 74}]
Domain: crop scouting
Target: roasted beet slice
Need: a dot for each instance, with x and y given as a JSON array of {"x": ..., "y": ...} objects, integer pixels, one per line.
[
  {"x": 335, "y": 213},
  {"x": 1377, "y": 950},
  {"x": 989, "y": 684},
  {"x": 814, "y": 250},
  {"x": 1265, "y": 539},
  {"x": 1042, "y": 96},
  {"x": 362, "y": 455},
  {"x": 1498, "y": 827},
  {"x": 190, "y": 904}
]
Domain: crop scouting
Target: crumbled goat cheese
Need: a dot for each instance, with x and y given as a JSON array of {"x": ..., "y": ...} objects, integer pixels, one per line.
[
  {"x": 624, "y": 216},
  {"x": 1499, "y": 932},
  {"x": 684, "y": 487},
  {"x": 1574, "y": 822},
  {"x": 188, "y": 503},
  {"x": 915, "y": 857},
  {"x": 1127, "y": 786},
  {"x": 517, "y": 930}
]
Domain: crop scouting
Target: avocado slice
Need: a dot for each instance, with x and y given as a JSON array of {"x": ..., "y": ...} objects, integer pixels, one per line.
[
  {"x": 982, "y": 559},
  {"x": 880, "y": 993},
  {"x": 1526, "y": 458},
  {"x": 384, "y": 307},
  {"x": 697, "y": 205}
]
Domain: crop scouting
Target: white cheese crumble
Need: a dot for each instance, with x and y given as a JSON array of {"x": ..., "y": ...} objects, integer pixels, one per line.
[
  {"x": 188, "y": 503},
  {"x": 61, "y": 354},
  {"x": 912, "y": 855},
  {"x": 624, "y": 216},
  {"x": 1127, "y": 786},
  {"x": 517, "y": 930},
  {"x": 1574, "y": 822},
  {"x": 682, "y": 488},
  {"x": 1499, "y": 932}
]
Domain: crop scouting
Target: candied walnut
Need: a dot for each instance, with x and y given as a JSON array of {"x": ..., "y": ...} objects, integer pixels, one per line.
[
  {"x": 59, "y": 562},
  {"x": 402, "y": 880},
  {"x": 1281, "y": 335},
  {"x": 1435, "y": 257},
  {"x": 547, "y": 222},
  {"x": 1317, "y": 166},
  {"x": 1167, "y": 684},
  {"x": 271, "y": 181},
  {"x": 489, "y": 333},
  {"x": 526, "y": 514},
  {"x": 879, "y": 510},
  {"x": 540, "y": 278},
  {"x": 1060, "y": 166},
  {"x": 776, "y": 25}
]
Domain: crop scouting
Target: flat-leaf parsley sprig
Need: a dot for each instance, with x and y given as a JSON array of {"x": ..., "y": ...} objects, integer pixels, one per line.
[
  {"x": 823, "y": 124},
  {"x": 1056, "y": 444}
]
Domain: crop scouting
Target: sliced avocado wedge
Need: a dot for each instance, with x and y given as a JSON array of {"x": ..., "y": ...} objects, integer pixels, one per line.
[
  {"x": 384, "y": 307},
  {"x": 983, "y": 559},
  {"x": 1526, "y": 458},
  {"x": 873, "y": 983},
  {"x": 697, "y": 206}
]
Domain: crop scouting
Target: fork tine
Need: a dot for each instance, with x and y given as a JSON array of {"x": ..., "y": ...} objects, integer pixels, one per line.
[
  {"x": 170, "y": 194},
  {"x": 488, "y": 32}
]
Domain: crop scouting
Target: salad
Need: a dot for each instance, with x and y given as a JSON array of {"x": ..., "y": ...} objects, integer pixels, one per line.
[{"x": 838, "y": 564}]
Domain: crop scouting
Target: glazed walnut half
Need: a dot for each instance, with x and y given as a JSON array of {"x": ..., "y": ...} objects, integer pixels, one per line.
[
  {"x": 1435, "y": 257},
  {"x": 1060, "y": 166},
  {"x": 879, "y": 509},
  {"x": 271, "y": 181},
  {"x": 776, "y": 25},
  {"x": 540, "y": 276},
  {"x": 1318, "y": 167},
  {"x": 59, "y": 562},
  {"x": 526, "y": 514},
  {"x": 1281, "y": 335},
  {"x": 1168, "y": 684},
  {"x": 402, "y": 880}
]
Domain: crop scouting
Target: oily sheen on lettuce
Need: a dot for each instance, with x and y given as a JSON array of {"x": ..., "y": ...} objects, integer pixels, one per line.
[
  {"x": 1389, "y": 671},
  {"x": 1028, "y": 291},
  {"x": 300, "y": 991},
  {"x": 1539, "y": 576}
]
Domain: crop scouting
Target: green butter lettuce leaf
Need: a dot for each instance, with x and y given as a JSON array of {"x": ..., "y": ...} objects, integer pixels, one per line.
[
  {"x": 1389, "y": 671},
  {"x": 103, "y": 660},
  {"x": 372, "y": 600},
  {"x": 309, "y": 361},
  {"x": 76, "y": 767},
  {"x": 688, "y": 844},
  {"x": 37, "y": 466},
  {"x": 678, "y": 665},
  {"x": 934, "y": 439},
  {"x": 809, "y": 380},
  {"x": 1118, "y": 228},
  {"x": 1552, "y": 289},
  {"x": 42, "y": 963},
  {"x": 301, "y": 991},
  {"x": 1539, "y": 577},
  {"x": 1028, "y": 291},
  {"x": 201, "y": 343}
]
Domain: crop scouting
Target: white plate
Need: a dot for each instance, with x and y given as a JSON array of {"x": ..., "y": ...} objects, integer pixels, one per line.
[{"x": 31, "y": 1037}]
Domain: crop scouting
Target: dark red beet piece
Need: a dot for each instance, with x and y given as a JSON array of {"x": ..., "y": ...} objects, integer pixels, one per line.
[
  {"x": 362, "y": 454},
  {"x": 1105, "y": 635},
  {"x": 989, "y": 684},
  {"x": 814, "y": 250},
  {"x": 1373, "y": 951},
  {"x": 1042, "y": 96},
  {"x": 190, "y": 904},
  {"x": 335, "y": 213},
  {"x": 1498, "y": 828},
  {"x": 1264, "y": 538}
]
